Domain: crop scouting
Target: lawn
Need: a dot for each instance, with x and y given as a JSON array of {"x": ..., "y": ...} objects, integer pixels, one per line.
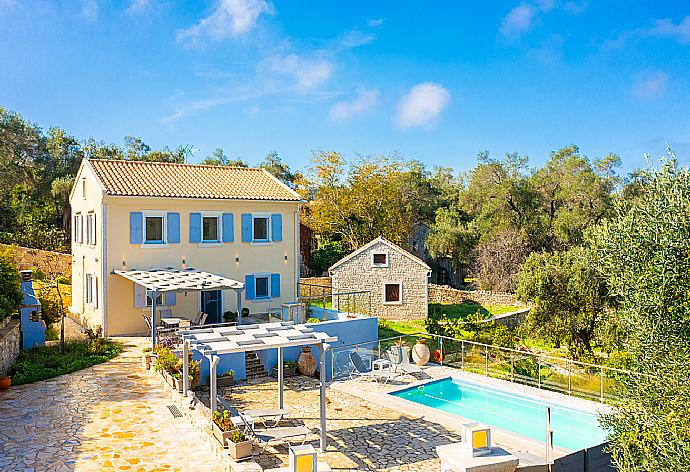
[
  {"x": 46, "y": 362},
  {"x": 388, "y": 329}
]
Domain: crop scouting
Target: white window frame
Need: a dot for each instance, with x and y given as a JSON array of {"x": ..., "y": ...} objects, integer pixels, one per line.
[
  {"x": 154, "y": 214},
  {"x": 268, "y": 239},
  {"x": 267, "y": 276},
  {"x": 219, "y": 216},
  {"x": 78, "y": 224},
  {"x": 400, "y": 287},
  {"x": 90, "y": 295},
  {"x": 83, "y": 188},
  {"x": 374, "y": 264},
  {"x": 91, "y": 228}
]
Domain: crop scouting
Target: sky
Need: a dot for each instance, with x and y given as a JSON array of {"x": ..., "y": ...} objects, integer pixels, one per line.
[{"x": 434, "y": 81}]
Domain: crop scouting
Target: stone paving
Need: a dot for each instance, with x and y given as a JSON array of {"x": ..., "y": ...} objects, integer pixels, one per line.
[
  {"x": 362, "y": 435},
  {"x": 112, "y": 416}
]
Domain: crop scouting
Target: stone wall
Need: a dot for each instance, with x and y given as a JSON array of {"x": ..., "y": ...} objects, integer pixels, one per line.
[
  {"x": 47, "y": 261},
  {"x": 9, "y": 343},
  {"x": 357, "y": 274},
  {"x": 446, "y": 294}
]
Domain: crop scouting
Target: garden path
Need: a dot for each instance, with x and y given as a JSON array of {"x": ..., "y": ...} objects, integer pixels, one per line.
[{"x": 112, "y": 416}]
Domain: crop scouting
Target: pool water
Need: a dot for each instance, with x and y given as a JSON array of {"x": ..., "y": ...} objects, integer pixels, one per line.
[{"x": 572, "y": 429}]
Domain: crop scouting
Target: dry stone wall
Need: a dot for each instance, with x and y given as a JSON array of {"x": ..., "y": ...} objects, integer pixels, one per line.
[
  {"x": 9, "y": 343},
  {"x": 47, "y": 261},
  {"x": 446, "y": 294}
]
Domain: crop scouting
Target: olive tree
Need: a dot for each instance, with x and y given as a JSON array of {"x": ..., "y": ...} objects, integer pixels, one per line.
[{"x": 644, "y": 252}]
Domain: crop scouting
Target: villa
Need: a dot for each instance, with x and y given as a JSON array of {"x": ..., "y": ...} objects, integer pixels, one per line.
[{"x": 241, "y": 224}]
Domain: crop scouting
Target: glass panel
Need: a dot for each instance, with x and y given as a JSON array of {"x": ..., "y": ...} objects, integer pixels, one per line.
[
  {"x": 154, "y": 229},
  {"x": 380, "y": 259},
  {"x": 261, "y": 287},
  {"x": 210, "y": 228},
  {"x": 392, "y": 292},
  {"x": 261, "y": 229}
]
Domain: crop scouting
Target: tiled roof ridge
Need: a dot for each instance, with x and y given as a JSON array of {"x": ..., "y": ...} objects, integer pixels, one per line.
[{"x": 181, "y": 164}]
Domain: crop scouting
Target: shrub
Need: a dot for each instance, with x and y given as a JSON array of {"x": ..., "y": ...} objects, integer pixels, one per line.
[{"x": 10, "y": 293}]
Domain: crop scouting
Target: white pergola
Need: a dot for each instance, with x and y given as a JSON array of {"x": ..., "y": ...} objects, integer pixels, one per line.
[
  {"x": 158, "y": 281},
  {"x": 213, "y": 342}
]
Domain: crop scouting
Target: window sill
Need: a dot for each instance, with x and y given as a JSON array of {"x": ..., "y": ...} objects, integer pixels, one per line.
[
  {"x": 261, "y": 243},
  {"x": 379, "y": 266},
  {"x": 210, "y": 244},
  {"x": 154, "y": 245},
  {"x": 393, "y": 303}
]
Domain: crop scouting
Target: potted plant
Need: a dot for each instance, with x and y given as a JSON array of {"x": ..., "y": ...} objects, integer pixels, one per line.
[
  {"x": 289, "y": 369},
  {"x": 238, "y": 445},
  {"x": 226, "y": 378},
  {"x": 230, "y": 316},
  {"x": 146, "y": 357}
]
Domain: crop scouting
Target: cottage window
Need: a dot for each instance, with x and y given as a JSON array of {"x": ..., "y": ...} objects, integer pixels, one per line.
[
  {"x": 379, "y": 259},
  {"x": 260, "y": 226},
  {"x": 154, "y": 229},
  {"x": 77, "y": 228},
  {"x": 210, "y": 229},
  {"x": 262, "y": 284},
  {"x": 159, "y": 300},
  {"x": 90, "y": 290},
  {"x": 392, "y": 292},
  {"x": 91, "y": 228}
]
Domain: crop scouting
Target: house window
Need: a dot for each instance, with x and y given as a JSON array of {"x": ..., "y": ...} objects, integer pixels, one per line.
[
  {"x": 90, "y": 290},
  {"x": 91, "y": 228},
  {"x": 392, "y": 293},
  {"x": 379, "y": 259},
  {"x": 77, "y": 228},
  {"x": 83, "y": 189},
  {"x": 159, "y": 300},
  {"x": 262, "y": 284},
  {"x": 154, "y": 228},
  {"x": 210, "y": 229},
  {"x": 260, "y": 228}
]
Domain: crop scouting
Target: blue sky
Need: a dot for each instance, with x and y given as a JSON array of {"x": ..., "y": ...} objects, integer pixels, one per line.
[{"x": 435, "y": 81}]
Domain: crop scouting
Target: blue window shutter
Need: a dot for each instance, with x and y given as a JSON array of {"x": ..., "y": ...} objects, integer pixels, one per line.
[
  {"x": 276, "y": 227},
  {"x": 228, "y": 228},
  {"x": 174, "y": 228},
  {"x": 275, "y": 285},
  {"x": 170, "y": 298},
  {"x": 195, "y": 227},
  {"x": 249, "y": 290},
  {"x": 247, "y": 230},
  {"x": 136, "y": 232}
]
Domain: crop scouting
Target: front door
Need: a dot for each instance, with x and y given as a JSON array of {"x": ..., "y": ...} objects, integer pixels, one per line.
[{"x": 212, "y": 305}]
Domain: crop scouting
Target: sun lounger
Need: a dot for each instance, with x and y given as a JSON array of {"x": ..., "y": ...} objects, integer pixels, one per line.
[
  {"x": 401, "y": 361},
  {"x": 269, "y": 436},
  {"x": 360, "y": 371}
]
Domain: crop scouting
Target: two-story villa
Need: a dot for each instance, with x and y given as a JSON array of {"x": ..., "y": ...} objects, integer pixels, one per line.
[{"x": 239, "y": 223}]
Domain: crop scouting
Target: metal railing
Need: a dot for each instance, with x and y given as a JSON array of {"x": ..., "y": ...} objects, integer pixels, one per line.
[
  {"x": 342, "y": 299},
  {"x": 559, "y": 374}
]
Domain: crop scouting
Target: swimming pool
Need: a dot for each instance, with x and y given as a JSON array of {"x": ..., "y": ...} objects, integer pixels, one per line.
[{"x": 572, "y": 429}]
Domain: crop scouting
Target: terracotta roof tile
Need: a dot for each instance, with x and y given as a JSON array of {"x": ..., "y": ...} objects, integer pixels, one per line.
[{"x": 160, "y": 179}]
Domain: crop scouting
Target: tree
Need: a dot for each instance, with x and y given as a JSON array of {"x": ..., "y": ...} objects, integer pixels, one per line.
[
  {"x": 281, "y": 171},
  {"x": 568, "y": 298},
  {"x": 452, "y": 235},
  {"x": 326, "y": 254},
  {"x": 497, "y": 260},
  {"x": 643, "y": 253},
  {"x": 218, "y": 158}
]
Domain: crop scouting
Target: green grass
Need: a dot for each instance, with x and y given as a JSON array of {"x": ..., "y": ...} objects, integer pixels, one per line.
[
  {"x": 463, "y": 310},
  {"x": 52, "y": 333},
  {"x": 46, "y": 362}
]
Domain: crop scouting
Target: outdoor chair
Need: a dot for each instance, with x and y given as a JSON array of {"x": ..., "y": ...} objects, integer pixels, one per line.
[
  {"x": 269, "y": 417},
  {"x": 272, "y": 436},
  {"x": 401, "y": 362},
  {"x": 148, "y": 324},
  {"x": 360, "y": 371},
  {"x": 166, "y": 313},
  {"x": 199, "y": 319}
]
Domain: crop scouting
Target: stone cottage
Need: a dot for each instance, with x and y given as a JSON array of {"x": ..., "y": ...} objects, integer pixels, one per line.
[{"x": 397, "y": 280}]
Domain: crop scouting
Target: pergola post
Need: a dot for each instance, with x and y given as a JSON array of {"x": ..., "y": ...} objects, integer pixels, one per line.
[
  {"x": 322, "y": 397},
  {"x": 213, "y": 360},
  {"x": 154, "y": 295},
  {"x": 185, "y": 366},
  {"x": 280, "y": 377},
  {"x": 239, "y": 306}
]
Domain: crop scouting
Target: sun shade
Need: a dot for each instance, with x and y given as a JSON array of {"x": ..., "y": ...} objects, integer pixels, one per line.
[{"x": 170, "y": 280}]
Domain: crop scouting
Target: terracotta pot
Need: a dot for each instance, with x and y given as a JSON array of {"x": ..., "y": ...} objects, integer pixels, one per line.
[
  {"x": 5, "y": 382},
  {"x": 420, "y": 352},
  {"x": 306, "y": 362}
]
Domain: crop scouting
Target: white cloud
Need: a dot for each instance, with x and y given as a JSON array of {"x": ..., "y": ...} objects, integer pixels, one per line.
[
  {"x": 137, "y": 6},
  {"x": 307, "y": 74},
  {"x": 545, "y": 5},
  {"x": 668, "y": 29},
  {"x": 422, "y": 105},
  {"x": 363, "y": 102},
  {"x": 376, "y": 22},
  {"x": 355, "y": 38},
  {"x": 650, "y": 85},
  {"x": 575, "y": 7},
  {"x": 518, "y": 20},
  {"x": 231, "y": 18}
]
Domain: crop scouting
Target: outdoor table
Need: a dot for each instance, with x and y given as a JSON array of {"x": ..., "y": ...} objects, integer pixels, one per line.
[
  {"x": 171, "y": 322},
  {"x": 380, "y": 364}
]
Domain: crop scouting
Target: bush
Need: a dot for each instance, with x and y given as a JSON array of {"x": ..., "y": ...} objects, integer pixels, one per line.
[
  {"x": 51, "y": 311},
  {"x": 47, "y": 362},
  {"x": 10, "y": 293}
]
